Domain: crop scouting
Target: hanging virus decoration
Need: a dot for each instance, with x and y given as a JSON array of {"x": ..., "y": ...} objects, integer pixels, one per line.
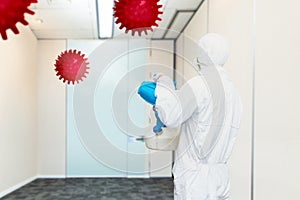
[
  {"x": 12, "y": 12},
  {"x": 71, "y": 66},
  {"x": 137, "y": 15}
]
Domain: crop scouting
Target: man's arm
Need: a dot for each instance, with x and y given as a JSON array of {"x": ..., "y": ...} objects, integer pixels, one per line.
[{"x": 174, "y": 106}]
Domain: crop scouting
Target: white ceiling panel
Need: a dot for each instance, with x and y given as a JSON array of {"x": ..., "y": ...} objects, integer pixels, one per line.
[
  {"x": 77, "y": 19},
  {"x": 64, "y": 19},
  {"x": 52, "y": 19},
  {"x": 178, "y": 24},
  {"x": 64, "y": 34},
  {"x": 167, "y": 17},
  {"x": 183, "y": 4},
  {"x": 66, "y": 4}
]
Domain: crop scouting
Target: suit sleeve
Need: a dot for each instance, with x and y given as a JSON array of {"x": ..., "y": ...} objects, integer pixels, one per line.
[{"x": 174, "y": 107}]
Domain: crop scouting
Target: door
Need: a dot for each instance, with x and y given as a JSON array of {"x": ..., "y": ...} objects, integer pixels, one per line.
[{"x": 105, "y": 116}]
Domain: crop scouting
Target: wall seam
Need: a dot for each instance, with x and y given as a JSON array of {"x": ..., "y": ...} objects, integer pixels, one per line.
[
  {"x": 66, "y": 123},
  {"x": 253, "y": 100},
  {"x": 207, "y": 17}
]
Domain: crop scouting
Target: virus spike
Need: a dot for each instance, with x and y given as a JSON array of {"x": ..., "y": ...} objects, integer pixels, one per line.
[
  {"x": 24, "y": 22},
  {"x": 30, "y": 12},
  {"x": 140, "y": 32},
  {"x": 3, "y": 35},
  {"x": 15, "y": 30},
  {"x": 12, "y": 12}
]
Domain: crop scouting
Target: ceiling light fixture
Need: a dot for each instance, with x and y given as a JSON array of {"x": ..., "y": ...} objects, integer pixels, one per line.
[
  {"x": 105, "y": 18},
  {"x": 59, "y": 2}
]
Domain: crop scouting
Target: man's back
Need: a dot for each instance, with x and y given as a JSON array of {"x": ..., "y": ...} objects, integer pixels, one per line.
[
  {"x": 205, "y": 145},
  {"x": 208, "y": 108}
]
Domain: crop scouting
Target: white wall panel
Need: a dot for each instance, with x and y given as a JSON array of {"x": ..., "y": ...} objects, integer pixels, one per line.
[
  {"x": 18, "y": 110},
  {"x": 51, "y": 110},
  {"x": 277, "y": 138}
]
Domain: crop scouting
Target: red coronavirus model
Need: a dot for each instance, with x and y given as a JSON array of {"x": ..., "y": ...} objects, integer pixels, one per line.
[
  {"x": 71, "y": 66},
  {"x": 12, "y": 12},
  {"x": 137, "y": 15}
]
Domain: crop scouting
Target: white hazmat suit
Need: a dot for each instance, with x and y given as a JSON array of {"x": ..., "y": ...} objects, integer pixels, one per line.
[{"x": 208, "y": 108}]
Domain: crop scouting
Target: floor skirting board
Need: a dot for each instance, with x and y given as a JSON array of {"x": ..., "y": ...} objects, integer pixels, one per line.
[{"x": 17, "y": 186}]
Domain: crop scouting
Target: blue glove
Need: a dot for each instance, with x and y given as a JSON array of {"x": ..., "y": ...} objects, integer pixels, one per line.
[
  {"x": 158, "y": 127},
  {"x": 147, "y": 91}
]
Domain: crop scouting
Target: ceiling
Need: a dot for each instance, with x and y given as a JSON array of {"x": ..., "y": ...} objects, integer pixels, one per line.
[{"x": 77, "y": 19}]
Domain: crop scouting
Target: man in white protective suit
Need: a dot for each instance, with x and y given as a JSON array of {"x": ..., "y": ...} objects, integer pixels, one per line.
[{"x": 208, "y": 108}]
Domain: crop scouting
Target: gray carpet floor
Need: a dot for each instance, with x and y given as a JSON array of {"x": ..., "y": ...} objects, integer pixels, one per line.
[{"x": 95, "y": 188}]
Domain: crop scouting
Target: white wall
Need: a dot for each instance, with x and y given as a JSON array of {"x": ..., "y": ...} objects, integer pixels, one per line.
[
  {"x": 18, "y": 110},
  {"x": 277, "y": 138},
  {"x": 233, "y": 19},
  {"x": 51, "y": 111}
]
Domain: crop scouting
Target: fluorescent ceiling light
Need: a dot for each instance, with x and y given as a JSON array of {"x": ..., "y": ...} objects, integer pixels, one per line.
[
  {"x": 105, "y": 18},
  {"x": 59, "y": 2}
]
